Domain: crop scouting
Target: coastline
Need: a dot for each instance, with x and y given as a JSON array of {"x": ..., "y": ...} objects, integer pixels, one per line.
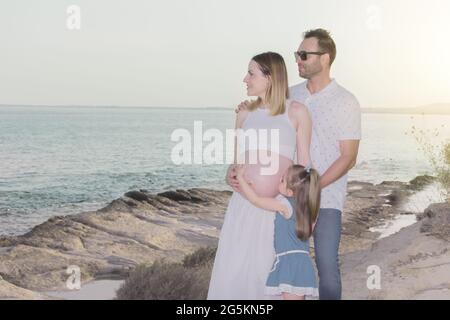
[{"x": 140, "y": 228}]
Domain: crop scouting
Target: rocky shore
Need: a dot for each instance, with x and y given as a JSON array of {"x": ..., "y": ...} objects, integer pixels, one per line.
[{"x": 140, "y": 228}]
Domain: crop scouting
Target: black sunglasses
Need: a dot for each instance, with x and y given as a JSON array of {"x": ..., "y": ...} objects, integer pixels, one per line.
[{"x": 303, "y": 55}]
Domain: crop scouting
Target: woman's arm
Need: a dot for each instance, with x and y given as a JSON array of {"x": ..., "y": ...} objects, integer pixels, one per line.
[
  {"x": 240, "y": 118},
  {"x": 270, "y": 204},
  {"x": 230, "y": 176},
  {"x": 304, "y": 130}
]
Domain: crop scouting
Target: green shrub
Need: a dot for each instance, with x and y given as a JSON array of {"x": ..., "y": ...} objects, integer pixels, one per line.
[
  {"x": 200, "y": 257},
  {"x": 438, "y": 154},
  {"x": 163, "y": 280}
]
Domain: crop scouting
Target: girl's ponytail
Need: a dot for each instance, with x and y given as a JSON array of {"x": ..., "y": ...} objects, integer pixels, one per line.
[
  {"x": 314, "y": 195},
  {"x": 307, "y": 195}
]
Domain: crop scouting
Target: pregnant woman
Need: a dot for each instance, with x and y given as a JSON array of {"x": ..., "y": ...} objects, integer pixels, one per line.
[{"x": 246, "y": 245}]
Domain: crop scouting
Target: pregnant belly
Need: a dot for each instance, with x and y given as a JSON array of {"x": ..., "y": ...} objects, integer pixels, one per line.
[{"x": 265, "y": 178}]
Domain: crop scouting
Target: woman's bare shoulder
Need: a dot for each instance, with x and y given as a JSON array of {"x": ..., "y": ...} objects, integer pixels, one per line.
[
  {"x": 297, "y": 112},
  {"x": 298, "y": 108}
]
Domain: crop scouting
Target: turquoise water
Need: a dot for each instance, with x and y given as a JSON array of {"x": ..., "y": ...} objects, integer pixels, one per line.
[{"x": 63, "y": 160}]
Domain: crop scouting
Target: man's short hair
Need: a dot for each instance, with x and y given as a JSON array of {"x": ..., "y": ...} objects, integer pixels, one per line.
[{"x": 326, "y": 43}]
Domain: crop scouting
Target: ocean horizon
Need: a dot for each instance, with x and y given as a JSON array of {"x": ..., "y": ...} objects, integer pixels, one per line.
[{"x": 431, "y": 109}]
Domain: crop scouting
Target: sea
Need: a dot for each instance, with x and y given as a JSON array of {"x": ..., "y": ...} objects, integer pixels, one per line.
[{"x": 71, "y": 159}]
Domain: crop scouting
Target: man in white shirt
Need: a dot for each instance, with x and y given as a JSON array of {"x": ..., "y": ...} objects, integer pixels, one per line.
[
  {"x": 336, "y": 118},
  {"x": 336, "y": 132}
]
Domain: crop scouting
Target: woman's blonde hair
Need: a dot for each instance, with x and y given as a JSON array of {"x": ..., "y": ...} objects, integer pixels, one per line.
[
  {"x": 272, "y": 66},
  {"x": 305, "y": 185}
]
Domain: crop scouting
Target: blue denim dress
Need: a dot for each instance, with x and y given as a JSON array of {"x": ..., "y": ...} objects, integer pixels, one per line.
[{"x": 292, "y": 271}]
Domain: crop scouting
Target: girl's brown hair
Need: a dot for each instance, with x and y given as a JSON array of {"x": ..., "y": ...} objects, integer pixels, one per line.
[
  {"x": 305, "y": 185},
  {"x": 272, "y": 64}
]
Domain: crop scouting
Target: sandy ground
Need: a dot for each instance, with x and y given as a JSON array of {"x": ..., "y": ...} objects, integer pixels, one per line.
[
  {"x": 139, "y": 227},
  {"x": 411, "y": 264}
]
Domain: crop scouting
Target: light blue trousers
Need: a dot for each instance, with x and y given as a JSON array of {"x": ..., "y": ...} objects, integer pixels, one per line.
[{"x": 327, "y": 235}]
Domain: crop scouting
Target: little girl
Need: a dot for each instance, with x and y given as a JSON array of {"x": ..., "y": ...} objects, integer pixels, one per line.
[{"x": 297, "y": 207}]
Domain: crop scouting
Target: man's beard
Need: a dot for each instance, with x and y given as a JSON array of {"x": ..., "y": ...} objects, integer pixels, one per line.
[
  {"x": 309, "y": 74},
  {"x": 304, "y": 75}
]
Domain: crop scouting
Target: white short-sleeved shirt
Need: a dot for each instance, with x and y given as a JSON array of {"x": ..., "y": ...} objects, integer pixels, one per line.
[{"x": 335, "y": 115}]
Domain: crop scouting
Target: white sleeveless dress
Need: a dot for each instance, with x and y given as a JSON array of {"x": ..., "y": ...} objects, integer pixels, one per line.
[{"x": 245, "y": 252}]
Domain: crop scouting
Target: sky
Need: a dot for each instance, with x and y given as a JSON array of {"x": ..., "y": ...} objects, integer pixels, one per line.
[{"x": 195, "y": 53}]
